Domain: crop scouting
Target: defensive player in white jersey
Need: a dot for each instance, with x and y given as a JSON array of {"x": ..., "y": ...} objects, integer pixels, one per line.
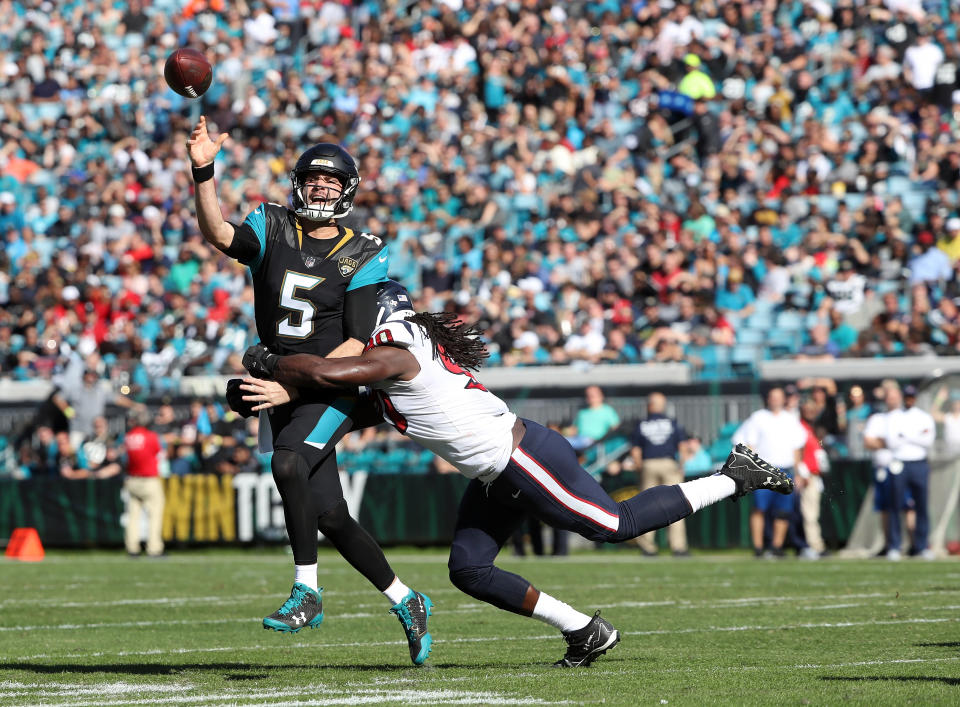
[{"x": 419, "y": 366}]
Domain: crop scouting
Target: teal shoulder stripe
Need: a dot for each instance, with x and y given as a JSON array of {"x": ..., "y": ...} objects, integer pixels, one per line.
[
  {"x": 373, "y": 272},
  {"x": 257, "y": 221}
]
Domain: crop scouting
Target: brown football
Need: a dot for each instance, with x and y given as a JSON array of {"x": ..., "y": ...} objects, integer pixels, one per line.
[{"x": 188, "y": 72}]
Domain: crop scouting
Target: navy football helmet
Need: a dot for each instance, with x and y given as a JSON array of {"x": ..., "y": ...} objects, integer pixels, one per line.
[
  {"x": 392, "y": 297},
  {"x": 331, "y": 159}
]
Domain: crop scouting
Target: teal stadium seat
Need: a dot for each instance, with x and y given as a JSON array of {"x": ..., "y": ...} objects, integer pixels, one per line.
[
  {"x": 783, "y": 342},
  {"x": 751, "y": 336},
  {"x": 760, "y": 321},
  {"x": 854, "y": 201},
  {"x": 915, "y": 201},
  {"x": 790, "y": 321},
  {"x": 728, "y": 429},
  {"x": 898, "y": 185},
  {"x": 744, "y": 360},
  {"x": 827, "y": 205},
  {"x": 720, "y": 449},
  {"x": 716, "y": 361}
]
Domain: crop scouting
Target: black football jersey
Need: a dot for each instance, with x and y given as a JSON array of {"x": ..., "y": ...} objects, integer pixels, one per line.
[{"x": 300, "y": 282}]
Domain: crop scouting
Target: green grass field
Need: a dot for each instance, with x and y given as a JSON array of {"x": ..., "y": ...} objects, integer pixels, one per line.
[{"x": 95, "y": 628}]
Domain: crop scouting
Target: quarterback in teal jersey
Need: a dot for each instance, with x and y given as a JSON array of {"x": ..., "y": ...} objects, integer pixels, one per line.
[{"x": 315, "y": 291}]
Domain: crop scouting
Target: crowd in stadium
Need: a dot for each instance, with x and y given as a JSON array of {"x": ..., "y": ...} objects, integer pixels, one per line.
[
  {"x": 709, "y": 182},
  {"x": 596, "y": 181}
]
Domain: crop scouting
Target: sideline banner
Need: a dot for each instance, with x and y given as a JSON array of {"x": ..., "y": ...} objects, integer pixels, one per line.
[
  {"x": 246, "y": 508},
  {"x": 395, "y": 508}
]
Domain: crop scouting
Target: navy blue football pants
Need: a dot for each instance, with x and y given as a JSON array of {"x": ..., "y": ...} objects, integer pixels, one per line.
[
  {"x": 913, "y": 480},
  {"x": 545, "y": 480}
]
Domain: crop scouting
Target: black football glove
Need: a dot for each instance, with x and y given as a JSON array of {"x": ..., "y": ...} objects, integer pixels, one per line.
[
  {"x": 260, "y": 362},
  {"x": 235, "y": 398}
]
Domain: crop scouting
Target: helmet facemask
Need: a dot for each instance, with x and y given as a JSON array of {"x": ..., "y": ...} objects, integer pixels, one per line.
[{"x": 327, "y": 210}]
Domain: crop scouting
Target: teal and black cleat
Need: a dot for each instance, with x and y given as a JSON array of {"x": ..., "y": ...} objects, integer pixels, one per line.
[
  {"x": 413, "y": 611},
  {"x": 303, "y": 608}
]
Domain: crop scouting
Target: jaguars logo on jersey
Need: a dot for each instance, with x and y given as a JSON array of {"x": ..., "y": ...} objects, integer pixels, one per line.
[{"x": 347, "y": 266}]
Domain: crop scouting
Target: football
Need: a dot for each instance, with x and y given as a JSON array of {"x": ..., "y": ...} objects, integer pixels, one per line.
[{"x": 188, "y": 72}]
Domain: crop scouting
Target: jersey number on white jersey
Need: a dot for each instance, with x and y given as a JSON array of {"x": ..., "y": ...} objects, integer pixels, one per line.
[{"x": 453, "y": 367}]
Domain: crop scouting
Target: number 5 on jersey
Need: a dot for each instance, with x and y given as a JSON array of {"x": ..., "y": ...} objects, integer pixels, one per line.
[{"x": 293, "y": 281}]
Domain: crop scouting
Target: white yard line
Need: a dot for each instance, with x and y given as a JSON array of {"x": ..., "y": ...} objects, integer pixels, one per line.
[
  {"x": 378, "y": 690},
  {"x": 354, "y": 695},
  {"x": 442, "y": 591},
  {"x": 461, "y": 609},
  {"x": 487, "y": 639}
]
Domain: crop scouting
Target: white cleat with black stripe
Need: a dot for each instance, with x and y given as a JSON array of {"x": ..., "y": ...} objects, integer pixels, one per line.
[{"x": 750, "y": 473}]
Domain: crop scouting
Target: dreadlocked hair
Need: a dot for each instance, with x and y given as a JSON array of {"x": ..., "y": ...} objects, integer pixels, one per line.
[{"x": 459, "y": 342}]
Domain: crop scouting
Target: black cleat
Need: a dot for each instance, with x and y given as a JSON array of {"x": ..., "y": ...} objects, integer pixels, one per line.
[
  {"x": 749, "y": 472},
  {"x": 303, "y": 608},
  {"x": 585, "y": 644}
]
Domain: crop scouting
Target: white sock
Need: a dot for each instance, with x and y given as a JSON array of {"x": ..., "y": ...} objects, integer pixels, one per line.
[
  {"x": 396, "y": 591},
  {"x": 307, "y": 574},
  {"x": 559, "y": 615},
  {"x": 710, "y": 489}
]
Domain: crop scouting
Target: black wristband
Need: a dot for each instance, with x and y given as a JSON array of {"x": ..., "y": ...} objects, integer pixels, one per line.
[{"x": 202, "y": 174}]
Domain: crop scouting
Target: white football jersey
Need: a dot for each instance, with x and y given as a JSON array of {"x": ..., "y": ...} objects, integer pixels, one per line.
[{"x": 444, "y": 408}]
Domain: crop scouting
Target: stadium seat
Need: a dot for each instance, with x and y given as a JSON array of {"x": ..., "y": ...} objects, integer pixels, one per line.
[
  {"x": 751, "y": 337},
  {"x": 827, "y": 205},
  {"x": 898, "y": 185},
  {"x": 901, "y": 168},
  {"x": 854, "y": 201},
  {"x": 728, "y": 429},
  {"x": 783, "y": 338},
  {"x": 811, "y": 320},
  {"x": 744, "y": 360},
  {"x": 915, "y": 201},
  {"x": 716, "y": 362},
  {"x": 789, "y": 321},
  {"x": 763, "y": 306},
  {"x": 759, "y": 321},
  {"x": 719, "y": 449}
]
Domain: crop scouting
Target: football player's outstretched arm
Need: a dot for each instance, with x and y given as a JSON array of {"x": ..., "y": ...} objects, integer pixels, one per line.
[
  {"x": 377, "y": 364},
  {"x": 309, "y": 371},
  {"x": 202, "y": 150}
]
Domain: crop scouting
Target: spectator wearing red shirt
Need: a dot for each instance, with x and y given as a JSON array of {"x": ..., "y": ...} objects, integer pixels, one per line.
[
  {"x": 144, "y": 487},
  {"x": 809, "y": 483}
]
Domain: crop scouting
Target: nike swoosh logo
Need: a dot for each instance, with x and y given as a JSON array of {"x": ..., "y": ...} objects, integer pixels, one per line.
[
  {"x": 383, "y": 258},
  {"x": 517, "y": 494}
]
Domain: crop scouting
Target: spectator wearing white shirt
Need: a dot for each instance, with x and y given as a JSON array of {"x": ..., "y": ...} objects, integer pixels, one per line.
[
  {"x": 908, "y": 434},
  {"x": 921, "y": 61},
  {"x": 776, "y": 435},
  {"x": 885, "y": 68},
  {"x": 874, "y": 433},
  {"x": 847, "y": 288}
]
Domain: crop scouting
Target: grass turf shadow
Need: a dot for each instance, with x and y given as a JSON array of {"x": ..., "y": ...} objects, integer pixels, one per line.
[
  {"x": 953, "y": 682},
  {"x": 256, "y": 671},
  {"x": 235, "y": 669}
]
